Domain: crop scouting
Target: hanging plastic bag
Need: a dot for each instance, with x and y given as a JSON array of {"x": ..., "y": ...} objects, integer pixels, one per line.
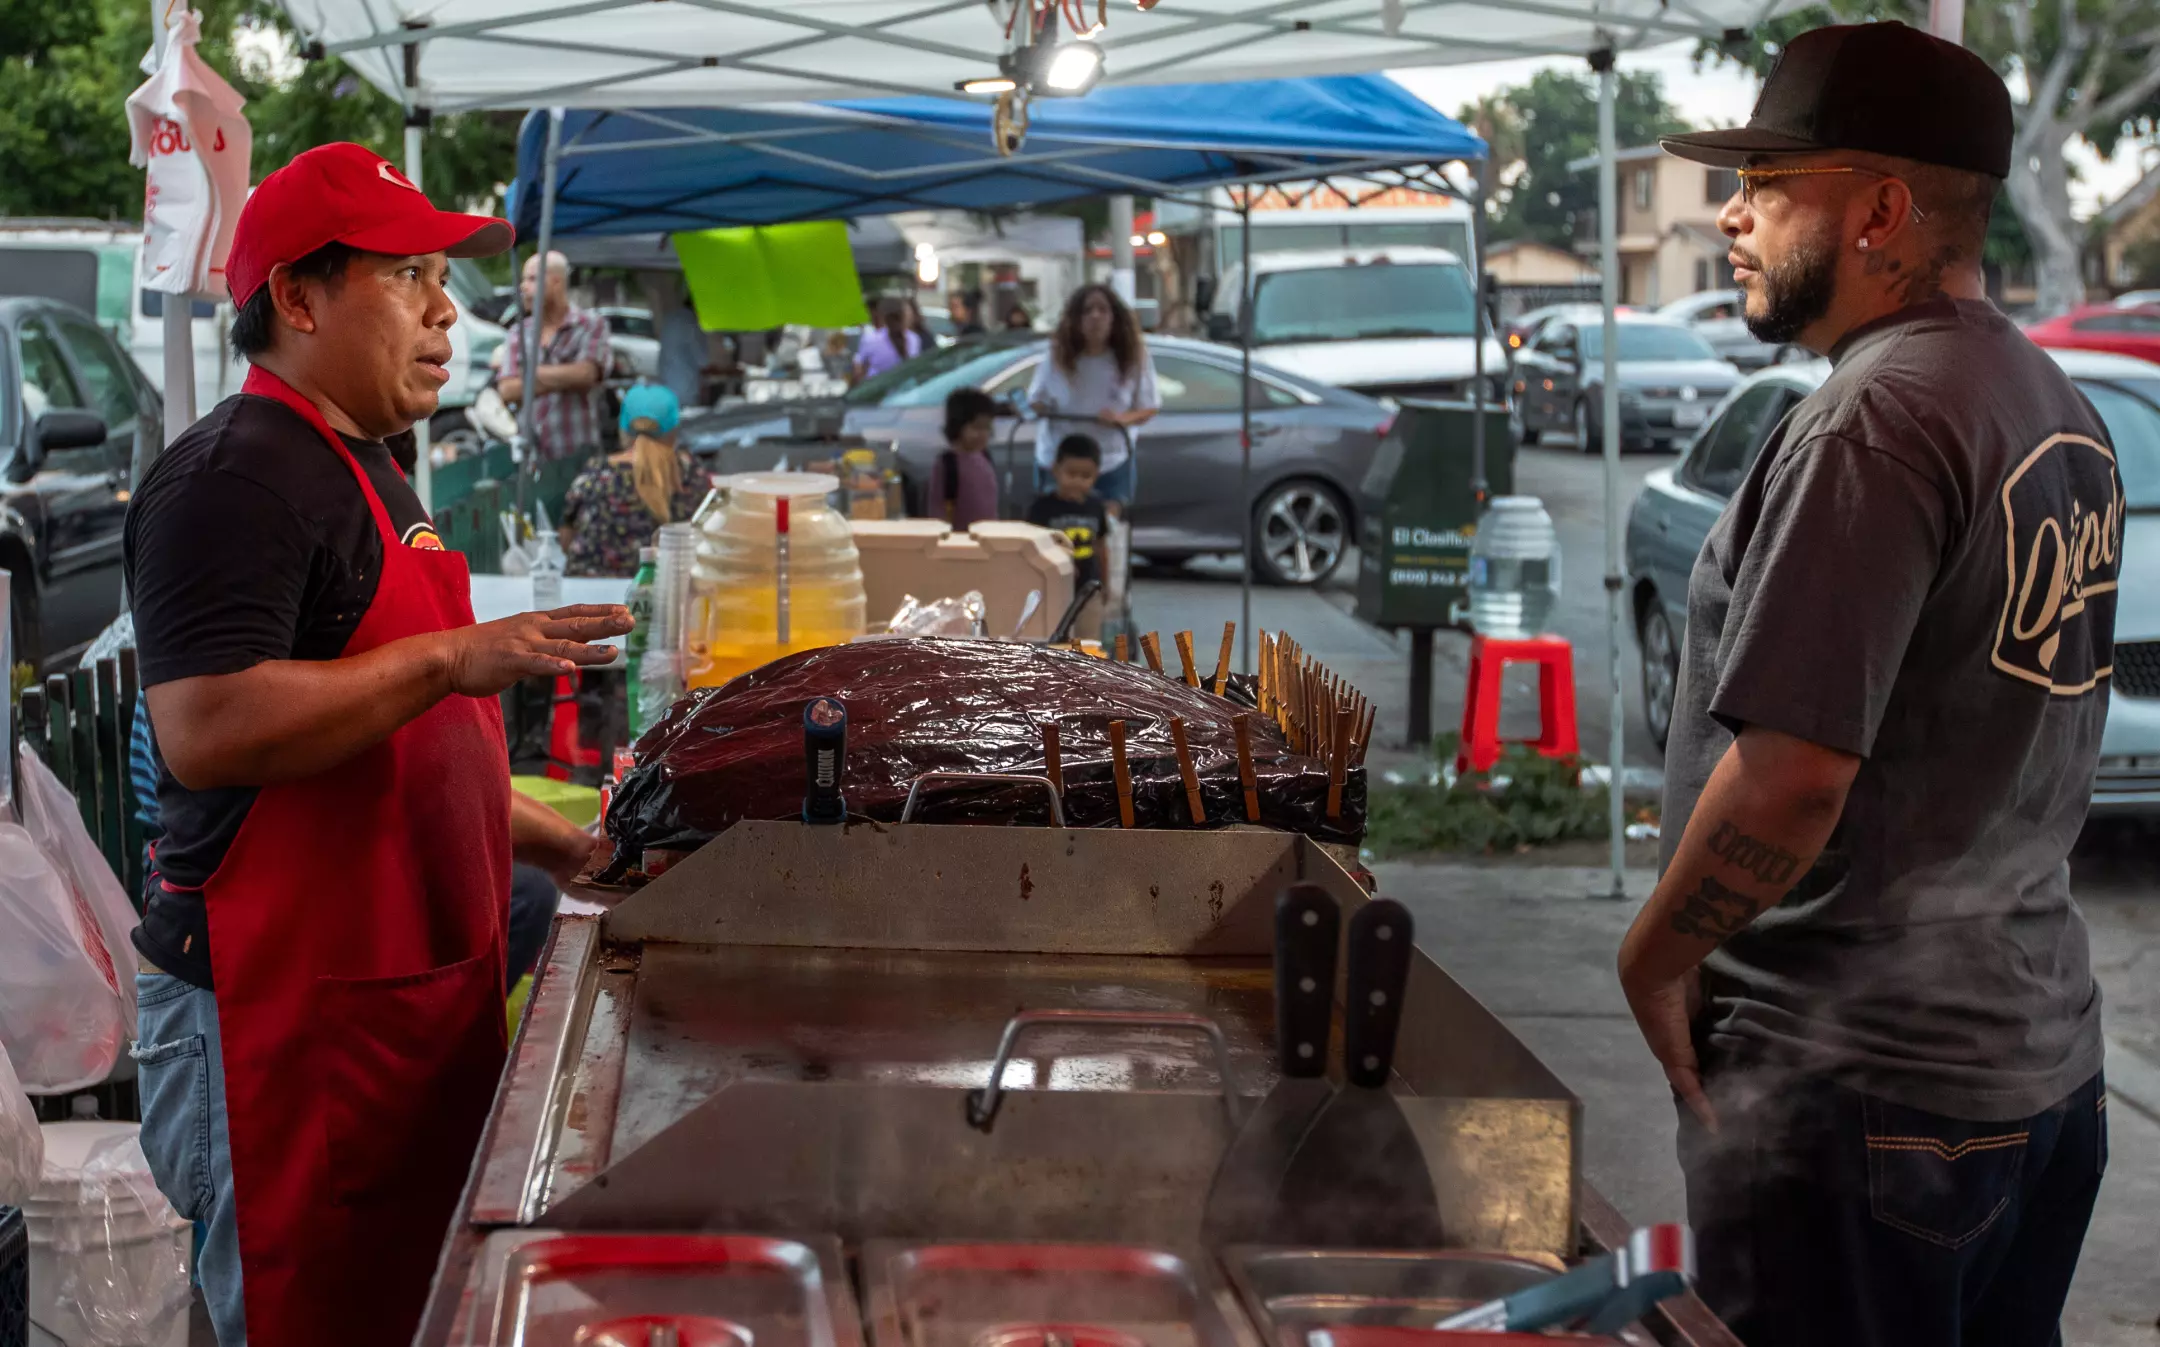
[
  {"x": 186, "y": 126},
  {"x": 55, "y": 823},
  {"x": 121, "y": 1253},
  {"x": 22, "y": 1143},
  {"x": 67, "y": 997}
]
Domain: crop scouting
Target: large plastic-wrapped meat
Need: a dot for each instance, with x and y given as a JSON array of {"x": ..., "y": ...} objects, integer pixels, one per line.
[{"x": 921, "y": 706}]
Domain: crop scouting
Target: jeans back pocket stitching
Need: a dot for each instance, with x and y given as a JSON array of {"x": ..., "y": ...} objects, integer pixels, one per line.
[
  {"x": 1877, "y": 1146},
  {"x": 194, "y": 1048}
]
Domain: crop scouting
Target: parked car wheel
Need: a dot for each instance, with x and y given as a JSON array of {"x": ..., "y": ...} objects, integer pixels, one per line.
[
  {"x": 1586, "y": 428},
  {"x": 1300, "y": 532},
  {"x": 1519, "y": 425},
  {"x": 1660, "y": 670}
]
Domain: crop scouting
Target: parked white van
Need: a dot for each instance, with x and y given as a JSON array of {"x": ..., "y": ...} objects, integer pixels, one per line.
[{"x": 1385, "y": 322}]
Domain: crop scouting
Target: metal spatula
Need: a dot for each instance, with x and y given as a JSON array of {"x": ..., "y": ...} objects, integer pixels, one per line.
[
  {"x": 1241, "y": 1205},
  {"x": 1359, "y": 1177}
]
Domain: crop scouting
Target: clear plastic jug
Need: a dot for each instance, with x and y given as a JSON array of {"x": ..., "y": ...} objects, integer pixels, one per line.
[
  {"x": 1514, "y": 569},
  {"x": 733, "y": 621}
]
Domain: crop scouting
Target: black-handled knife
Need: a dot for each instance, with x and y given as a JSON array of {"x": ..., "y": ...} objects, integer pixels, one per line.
[
  {"x": 1308, "y": 925},
  {"x": 1378, "y": 970}
]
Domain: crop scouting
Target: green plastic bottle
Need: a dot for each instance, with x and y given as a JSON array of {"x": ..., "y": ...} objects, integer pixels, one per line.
[{"x": 640, "y": 602}]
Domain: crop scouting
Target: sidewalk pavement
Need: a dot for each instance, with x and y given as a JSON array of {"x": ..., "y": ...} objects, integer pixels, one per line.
[{"x": 1530, "y": 942}]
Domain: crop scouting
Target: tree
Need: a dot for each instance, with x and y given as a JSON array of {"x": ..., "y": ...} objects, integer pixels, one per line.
[
  {"x": 2077, "y": 69},
  {"x": 63, "y": 130},
  {"x": 1539, "y": 128}
]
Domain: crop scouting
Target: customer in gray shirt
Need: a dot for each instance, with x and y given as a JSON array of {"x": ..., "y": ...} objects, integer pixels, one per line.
[{"x": 1862, "y": 969}]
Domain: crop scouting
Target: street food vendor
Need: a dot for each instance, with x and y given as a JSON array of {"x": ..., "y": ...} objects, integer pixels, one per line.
[
  {"x": 322, "y": 947},
  {"x": 1862, "y": 969}
]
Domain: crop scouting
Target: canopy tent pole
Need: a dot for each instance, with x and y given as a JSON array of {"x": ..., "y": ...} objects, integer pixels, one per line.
[
  {"x": 1121, "y": 248},
  {"x": 1479, "y": 487},
  {"x": 416, "y": 121},
  {"x": 528, "y": 420},
  {"x": 1609, "y": 417},
  {"x": 179, "y": 328},
  {"x": 1245, "y": 329}
]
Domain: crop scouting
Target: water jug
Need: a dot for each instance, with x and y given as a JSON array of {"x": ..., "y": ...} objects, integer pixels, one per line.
[
  {"x": 1514, "y": 569},
  {"x": 759, "y": 591}
]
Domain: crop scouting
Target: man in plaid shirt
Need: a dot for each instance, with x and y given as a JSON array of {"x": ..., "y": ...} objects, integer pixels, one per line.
[{"x": 573, "y": 359}]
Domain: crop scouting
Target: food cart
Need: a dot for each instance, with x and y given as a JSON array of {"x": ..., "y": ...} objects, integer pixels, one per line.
[{"x": 915, "y": 1082}]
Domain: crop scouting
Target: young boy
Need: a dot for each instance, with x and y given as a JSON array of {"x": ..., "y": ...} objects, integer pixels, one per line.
[
  {"x": 963, "y": 483},
  {"x": 1077, "y": 512}
]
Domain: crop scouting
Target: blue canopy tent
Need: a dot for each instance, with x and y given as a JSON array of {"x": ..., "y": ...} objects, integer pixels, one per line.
[{"x": 640, "y": 171}]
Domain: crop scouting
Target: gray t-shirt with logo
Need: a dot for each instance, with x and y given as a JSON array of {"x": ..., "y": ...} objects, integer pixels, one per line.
[{"x": 1920, "y": 569}]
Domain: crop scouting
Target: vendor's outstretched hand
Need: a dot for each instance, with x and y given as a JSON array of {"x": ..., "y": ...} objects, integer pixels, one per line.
[{"x": 489, "y": 657}]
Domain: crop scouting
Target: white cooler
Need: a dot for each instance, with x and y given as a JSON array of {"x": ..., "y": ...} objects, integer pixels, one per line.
[{"x": 106, "y": 1249}]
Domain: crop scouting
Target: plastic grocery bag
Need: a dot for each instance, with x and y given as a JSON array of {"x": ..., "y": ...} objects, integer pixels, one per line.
[
  {"x": 123, "y": 1265},
  {"x": 22, "y": 1144},
  {"x": 186, "y": 126},
  {"x": 67, "y": 994}
]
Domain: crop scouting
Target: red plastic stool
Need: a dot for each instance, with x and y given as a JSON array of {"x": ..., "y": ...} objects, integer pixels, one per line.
[
  {"x": 565, "y": 749},
  {"x": 1489, "y": 658}
]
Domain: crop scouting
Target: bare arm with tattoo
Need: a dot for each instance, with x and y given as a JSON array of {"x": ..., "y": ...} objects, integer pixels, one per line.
[{"x": 1764, "y": 816}]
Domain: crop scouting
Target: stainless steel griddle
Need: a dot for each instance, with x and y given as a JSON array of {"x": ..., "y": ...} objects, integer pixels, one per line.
[{"x": 790, "y": 1037}]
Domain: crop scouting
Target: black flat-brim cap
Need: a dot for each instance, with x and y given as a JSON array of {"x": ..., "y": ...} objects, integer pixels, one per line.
[{"x": 1885, "y": 88}]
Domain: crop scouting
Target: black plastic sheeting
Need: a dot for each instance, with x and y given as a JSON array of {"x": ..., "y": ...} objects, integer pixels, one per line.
[{"x": 920, "y": 706}]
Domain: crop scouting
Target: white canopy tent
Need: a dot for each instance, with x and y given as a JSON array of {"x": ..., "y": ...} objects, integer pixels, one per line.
[
  {"x": 707, "y": 53},
  {"x": 455, "y": 55}
]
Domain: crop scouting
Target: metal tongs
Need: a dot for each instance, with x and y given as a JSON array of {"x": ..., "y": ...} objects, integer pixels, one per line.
[{"x": 1602, "y": 1296}]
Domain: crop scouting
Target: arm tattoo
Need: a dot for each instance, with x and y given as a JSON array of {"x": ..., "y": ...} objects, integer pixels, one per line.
[
  {"x": 1768, "y": 862},
  {"x": 1713, "y": 911}
]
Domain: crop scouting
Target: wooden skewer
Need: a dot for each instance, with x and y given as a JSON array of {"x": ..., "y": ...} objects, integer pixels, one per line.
[
  {"x": 1364, "y": 737},
  {"x": 1246, "y": 778},
  {"x": 1337, "y": 763},
  {"x": 1185, "y": 658},
  {"x": 1151, "y": 649},
  {"x": 1123, "y": 645},
  {"x": 1222, "y": 661},
  {"x": 1187, "y": 770},
  {"x": 1122, "y": 772},
  {"x": 1051, "y": 766}
]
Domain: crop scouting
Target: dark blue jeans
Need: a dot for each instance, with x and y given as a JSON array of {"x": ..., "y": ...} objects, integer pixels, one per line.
[{"x": 1824, "y": 1216}]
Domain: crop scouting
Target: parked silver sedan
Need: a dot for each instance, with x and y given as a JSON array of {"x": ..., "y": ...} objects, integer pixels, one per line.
[
  {"x": 1678, "y": 504},
  {"x": 1312, "y": 445}
]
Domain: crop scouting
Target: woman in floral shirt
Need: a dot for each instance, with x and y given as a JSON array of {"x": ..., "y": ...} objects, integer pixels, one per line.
[{"x": 618, "y": 502}]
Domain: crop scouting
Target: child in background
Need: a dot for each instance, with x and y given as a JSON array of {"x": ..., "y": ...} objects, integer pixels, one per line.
[
  {"x": 963, "y": 483},
  {"x": 1075, "y": 511}
]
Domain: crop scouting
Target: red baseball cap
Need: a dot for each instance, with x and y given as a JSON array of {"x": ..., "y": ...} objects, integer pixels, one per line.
[{"x": 346, "y": 193}]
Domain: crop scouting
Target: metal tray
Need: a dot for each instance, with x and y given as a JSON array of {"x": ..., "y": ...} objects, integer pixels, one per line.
[
  {"x": 547, "y": 1288},
  {"x": 1045, "y": 1295},
  {"x": 1290, "y": 1292}
]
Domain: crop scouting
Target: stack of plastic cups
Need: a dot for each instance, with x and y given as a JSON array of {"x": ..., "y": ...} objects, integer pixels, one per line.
[{"x": 661, "y": 674}]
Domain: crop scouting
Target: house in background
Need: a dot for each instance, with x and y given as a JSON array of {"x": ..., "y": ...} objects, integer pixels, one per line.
[
  {"x": 1530, "y": 275},
  {"x": 1529, "y": 262},
  {"x": 2126, "y": 239},
  {"x": 1669, "y": 242}
]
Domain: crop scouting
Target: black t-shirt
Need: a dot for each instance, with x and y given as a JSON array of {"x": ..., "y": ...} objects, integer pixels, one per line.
[
  {"x": 248, "y": 541},
  {"x": 1083, "y": 524}
]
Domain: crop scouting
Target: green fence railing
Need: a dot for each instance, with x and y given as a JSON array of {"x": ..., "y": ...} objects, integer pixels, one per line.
[
  {"x": 80, "y": 724},
  {"x": 471, "y": 494}
]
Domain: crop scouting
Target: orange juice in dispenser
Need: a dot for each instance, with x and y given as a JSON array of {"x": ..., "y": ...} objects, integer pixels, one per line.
[{"x": 776, "y": 572}]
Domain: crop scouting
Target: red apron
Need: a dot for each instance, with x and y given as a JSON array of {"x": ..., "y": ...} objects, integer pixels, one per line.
[{"x": 357, "y": 933}]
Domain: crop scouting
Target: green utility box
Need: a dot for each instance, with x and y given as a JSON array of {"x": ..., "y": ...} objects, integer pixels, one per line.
[{"x": 1419, "y": 510}]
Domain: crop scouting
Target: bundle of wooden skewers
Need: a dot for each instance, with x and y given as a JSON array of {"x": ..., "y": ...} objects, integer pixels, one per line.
[{"x": 1320, "y": 714}]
